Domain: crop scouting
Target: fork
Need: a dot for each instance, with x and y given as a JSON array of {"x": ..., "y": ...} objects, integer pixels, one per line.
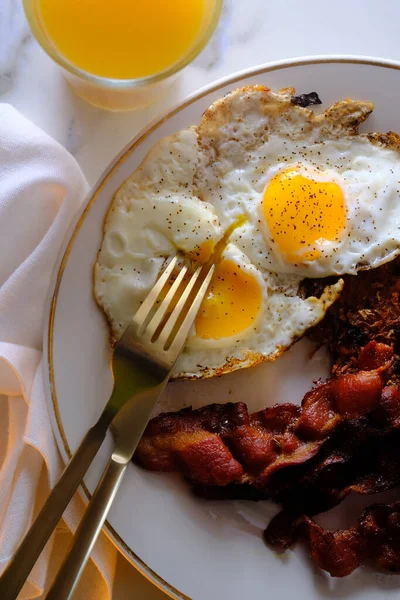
[{"x": 141, "y": 364}]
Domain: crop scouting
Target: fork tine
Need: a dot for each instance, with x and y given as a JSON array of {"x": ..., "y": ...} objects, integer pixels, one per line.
[
  {"x": 183, "y": 331},
  {"x": 152, "y": 296},
  {"x": 162, "y": 309},
  {"x": 174, "y": 316}
]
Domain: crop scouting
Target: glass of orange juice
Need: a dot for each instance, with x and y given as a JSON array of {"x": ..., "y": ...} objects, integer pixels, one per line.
[{"x": 118, "y": 54}]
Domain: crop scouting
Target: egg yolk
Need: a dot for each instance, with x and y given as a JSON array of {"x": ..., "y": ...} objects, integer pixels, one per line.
[
  {"x": 202, "y": 253},
  {"x": 232, "y": 303},
  {"x": 303, "y": 214}
]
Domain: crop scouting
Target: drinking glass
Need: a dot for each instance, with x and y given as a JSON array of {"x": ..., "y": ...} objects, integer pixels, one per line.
[{"x": 122, "y": 94}]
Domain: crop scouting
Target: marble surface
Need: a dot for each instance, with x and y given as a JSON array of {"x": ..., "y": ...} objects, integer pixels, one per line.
[{"x": 251, "y": 32}]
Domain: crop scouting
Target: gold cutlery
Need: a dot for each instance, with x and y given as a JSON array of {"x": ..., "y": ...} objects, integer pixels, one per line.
[{"x": 142, "y": 363}]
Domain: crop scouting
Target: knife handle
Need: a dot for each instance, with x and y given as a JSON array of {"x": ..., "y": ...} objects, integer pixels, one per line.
[{"x": 88, "y": 531}]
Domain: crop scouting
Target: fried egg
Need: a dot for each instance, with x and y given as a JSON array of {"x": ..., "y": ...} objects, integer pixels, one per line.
[
  {"x": 247, "y": 317},
  {"x": 271, "y": 193},
  {"x": 318, "y": 198}
]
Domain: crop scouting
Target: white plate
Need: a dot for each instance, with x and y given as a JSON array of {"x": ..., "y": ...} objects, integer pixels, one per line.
[{"x": 188, "y": 547}]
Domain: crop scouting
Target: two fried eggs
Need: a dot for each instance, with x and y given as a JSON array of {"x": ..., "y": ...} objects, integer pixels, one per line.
[{"x": 273, "y": 194}]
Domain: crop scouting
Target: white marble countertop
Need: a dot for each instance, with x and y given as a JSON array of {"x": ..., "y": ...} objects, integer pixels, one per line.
[{"x": 251, "y": 32}]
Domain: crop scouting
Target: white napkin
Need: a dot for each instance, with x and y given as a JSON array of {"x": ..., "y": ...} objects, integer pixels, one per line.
[{"x": 41, "y": 188}]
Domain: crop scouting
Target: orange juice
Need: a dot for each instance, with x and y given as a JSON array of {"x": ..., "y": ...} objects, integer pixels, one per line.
[{"x": 122, "y": 39}]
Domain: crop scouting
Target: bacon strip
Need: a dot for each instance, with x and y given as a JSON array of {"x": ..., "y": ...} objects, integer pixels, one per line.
[
  {"x": 363, "y": 456},
  {"x": 220, "y": 445},
  {"x": 374, "y": 539}
]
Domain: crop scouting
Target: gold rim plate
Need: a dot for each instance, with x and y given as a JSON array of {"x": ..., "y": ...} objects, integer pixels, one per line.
[{"x": 238, "y": 78}]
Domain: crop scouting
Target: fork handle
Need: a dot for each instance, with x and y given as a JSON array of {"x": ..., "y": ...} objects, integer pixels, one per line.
[
  {"x": 27, "y": 553},
  {"x": 88, "y": 531}
]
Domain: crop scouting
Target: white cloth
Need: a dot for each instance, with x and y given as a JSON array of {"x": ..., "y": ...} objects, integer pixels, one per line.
[{"x": 41, "y": 188}]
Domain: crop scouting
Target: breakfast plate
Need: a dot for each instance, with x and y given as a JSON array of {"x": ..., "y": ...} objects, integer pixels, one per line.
[{"x": 189, "y": 547}]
